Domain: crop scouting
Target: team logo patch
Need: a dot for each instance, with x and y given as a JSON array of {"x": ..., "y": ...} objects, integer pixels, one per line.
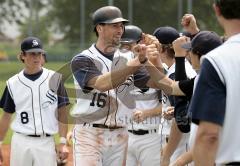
[
  {"x": 51, "y": 99},
  {"x": 34, "y": 43}
]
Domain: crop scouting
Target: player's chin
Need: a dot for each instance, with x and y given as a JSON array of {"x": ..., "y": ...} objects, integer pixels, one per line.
[{"x": 115, "y": 43}]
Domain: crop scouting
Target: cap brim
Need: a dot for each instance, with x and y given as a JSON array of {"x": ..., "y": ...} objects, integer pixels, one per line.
[
  {"x": 187, "y": 46},
  {"x": 116, "y": 20},
  {"x": 35, "y": 50}
]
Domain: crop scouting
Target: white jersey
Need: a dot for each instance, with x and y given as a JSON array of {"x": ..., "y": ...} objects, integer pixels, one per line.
[
  {"x": 145, "y": 101},
  {"x": 226, "y": 59},
  {"x": 110, "y": 107},
  {"x": 166, "y": 124},
  {"x": 35, "y": 115}
]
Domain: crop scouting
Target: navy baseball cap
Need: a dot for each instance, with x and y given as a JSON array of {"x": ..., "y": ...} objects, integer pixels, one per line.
[
  {"x": 203, "y": 42},
  {"x": 32, "y": 44},
  {"x": 166, "y": 35}
]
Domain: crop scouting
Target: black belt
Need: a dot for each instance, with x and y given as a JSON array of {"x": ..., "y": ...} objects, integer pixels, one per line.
[
  {"x": 234, "y": 163},
  {"x": 106, "y": 127},
  {"x": 44, "y": 135},
  {"x": 34, "y": 135},
  {"x": 141, "y": 132}
]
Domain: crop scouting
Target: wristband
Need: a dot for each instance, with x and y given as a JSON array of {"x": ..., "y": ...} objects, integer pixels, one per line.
[
  {"x": 144, "y": 61},
  {"x": 63, "y": 140},
  {"x": 1, "y": 142}
]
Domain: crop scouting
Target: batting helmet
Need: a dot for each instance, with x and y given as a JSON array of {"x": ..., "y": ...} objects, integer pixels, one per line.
[
  {"x": 108, "y": 15},
  {"x": 131, "y": 34}
]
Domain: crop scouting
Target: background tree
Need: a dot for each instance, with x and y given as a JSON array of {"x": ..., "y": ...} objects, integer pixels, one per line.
[
  {"x": 40, "y": 18},
  {"x": 29, "y": 15}
]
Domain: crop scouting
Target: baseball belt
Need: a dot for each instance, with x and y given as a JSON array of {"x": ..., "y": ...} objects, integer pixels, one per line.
[{"x": 142, "y": 132}]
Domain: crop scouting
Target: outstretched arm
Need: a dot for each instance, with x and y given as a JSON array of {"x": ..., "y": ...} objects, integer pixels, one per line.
[{"x": 112, "y": 79}]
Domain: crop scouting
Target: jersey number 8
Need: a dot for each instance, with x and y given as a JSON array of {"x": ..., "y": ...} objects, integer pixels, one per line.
[{"x": 24, "y": 117}]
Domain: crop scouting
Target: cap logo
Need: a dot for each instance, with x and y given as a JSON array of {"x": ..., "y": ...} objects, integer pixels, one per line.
[{"x": 34, "y": 43}]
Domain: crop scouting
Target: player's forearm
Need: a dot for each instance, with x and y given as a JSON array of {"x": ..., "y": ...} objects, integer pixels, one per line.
[
  {"x": 203, "y": 154},
  {"x": 173, "y": 141},
  {"x": 206, "y": 144},
  {"x": 4, "y": 123},
  {"x": 161, "y": 81},
  {"x": 112, "y": 79},
  {"x": 63, "y": 121},
  {"x": 153, "y": 112}
]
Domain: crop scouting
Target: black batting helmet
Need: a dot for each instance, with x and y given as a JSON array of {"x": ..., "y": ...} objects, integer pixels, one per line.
[
  {"x": 108, "y": 15},
  {"x": 131, "y": 34}
]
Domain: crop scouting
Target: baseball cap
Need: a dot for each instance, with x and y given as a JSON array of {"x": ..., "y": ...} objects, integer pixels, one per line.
[
  {"x": 31, "y": 44},
  {"x": 166, "y": 35},
  {"x": 203, "y": 42}
]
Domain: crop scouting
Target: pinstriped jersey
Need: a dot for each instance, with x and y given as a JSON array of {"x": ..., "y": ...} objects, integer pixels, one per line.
[
  {"x": 168, "y": 100},
  {"x": 110, "y": 107},
  {"x": 36, "y": 103}
]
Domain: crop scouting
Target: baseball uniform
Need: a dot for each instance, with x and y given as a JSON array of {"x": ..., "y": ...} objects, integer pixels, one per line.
[
  {"x": 144, "y": 140},
  {"x": 95, "y": 143},
  {"x": 218, "y": 81},
  {"x": 35, "y": 101},
  {"x": 168, "y": 101}
]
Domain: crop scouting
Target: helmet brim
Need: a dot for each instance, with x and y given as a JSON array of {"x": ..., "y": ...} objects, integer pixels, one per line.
[
  {"x": 127, "y": 41},
  {"x": 116, "y": 20}
]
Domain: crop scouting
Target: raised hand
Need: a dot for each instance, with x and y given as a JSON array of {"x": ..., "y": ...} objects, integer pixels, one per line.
[
  {"x": 140, "y": 51},
  {"x": 189, "y": 23},
  {"x": 177, "y": 46}
]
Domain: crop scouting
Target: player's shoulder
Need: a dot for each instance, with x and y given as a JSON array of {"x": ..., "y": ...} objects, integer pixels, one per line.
[
  {"x": 14, "y": 78},
  {"x": 85, "y": 54}
]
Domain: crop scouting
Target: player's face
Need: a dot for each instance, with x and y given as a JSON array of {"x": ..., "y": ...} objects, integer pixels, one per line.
[
  {"x": 195, "y": 61},
  {"x": 33, "y": 60},
  {"x": 112, "y": 33}
]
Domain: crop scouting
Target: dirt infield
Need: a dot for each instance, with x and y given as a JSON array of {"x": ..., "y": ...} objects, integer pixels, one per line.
[{"x": 6, "y": 155}]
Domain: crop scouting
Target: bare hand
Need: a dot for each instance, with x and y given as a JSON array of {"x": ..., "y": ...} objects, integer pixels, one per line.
[
  {"x": 62, "y": 152},
  {"x": 153, "y": 54},
  {"x": 169, "y": 114},
  {"x": 1, "y": 157},
  {"x": 138, "y": 116},
  {"x": 140, "y": 51},
  {"x": 189, "y": 23},
  {"x": 177, "y": 46}
]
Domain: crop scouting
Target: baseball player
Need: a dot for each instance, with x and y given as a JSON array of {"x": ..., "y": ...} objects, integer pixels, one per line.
[
  {"x": 215, "y": 101},
  {"x": 166, "y": 35},
  {"x": 103, "y": 78},
  {"x": 38, "y": 98},
  {"x": 144, "y": 139}
]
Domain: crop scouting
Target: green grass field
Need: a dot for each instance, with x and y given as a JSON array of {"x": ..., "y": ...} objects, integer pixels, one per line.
[{"x": 8, "y": 69}]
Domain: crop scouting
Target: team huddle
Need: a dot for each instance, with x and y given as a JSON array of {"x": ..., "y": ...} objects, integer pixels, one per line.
[{"x": 165, "y": 98}]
